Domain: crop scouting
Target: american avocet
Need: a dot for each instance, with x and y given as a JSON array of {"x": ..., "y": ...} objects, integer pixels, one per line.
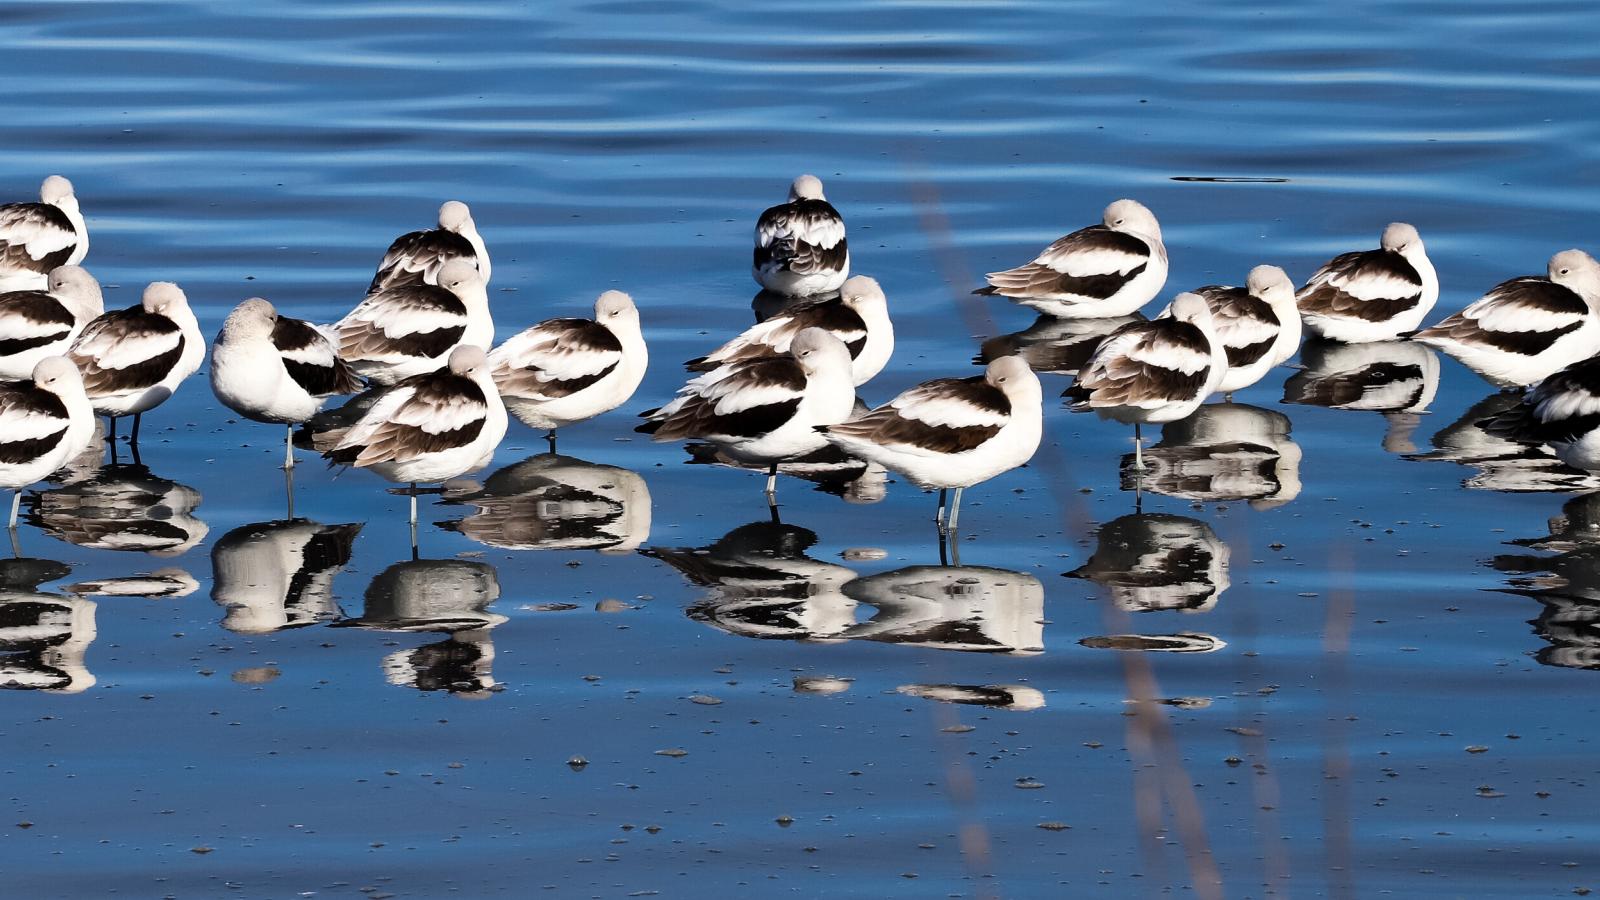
[
  {"x": 1372, "y": 295},
  {"x": 800, "y": 245},
  {"x": 1101, "y": 271}
]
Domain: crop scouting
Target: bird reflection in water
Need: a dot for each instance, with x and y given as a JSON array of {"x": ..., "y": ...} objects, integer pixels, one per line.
[
  {"x": 968, "y": 608},
  {"x": 1154, "y": 561},
  {"x": 1396, "y": 378},
  {"x": 43, "y": 636},
  {"x": 1503, "y": 464},
  {"x": 832, "y": 470},
  {"x": 1567, "y": 585},
  {"x": 997, "y": 696},
  {"x": 270, "y": 576},
  {"x": 760, "y": 583},
  {"x": 449, "y": 596},
  {"x": 120, "y": 507},
  {"x": 1223, "y": 452},
  {"x": 553, "y": 502},
  {"x": 1051, "y": 345},
  {"x": 161, "y": 583}
]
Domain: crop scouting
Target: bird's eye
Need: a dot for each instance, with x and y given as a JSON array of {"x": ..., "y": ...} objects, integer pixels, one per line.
[
  {"x": 1117, "y": 222},
  {"x": 1002, "y": 381},
  {"x": 1564, "y": 271}
]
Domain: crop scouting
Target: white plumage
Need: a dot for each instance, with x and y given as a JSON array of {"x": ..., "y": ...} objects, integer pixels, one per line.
[
  {"x": 1102, "y": 271},
  {"x": 1372, "y": 295},
  {"x": 43, "y": 421},
  {"x": 418, "y": 256},
  {"x": 1258, "y": 325},
  {"x": 859, "y": 317},
  {"x": 410, "y": 328},
  {"x": 134, "y": 359},
  {"x": 37, "y": 324},
  {"x": 36, "y": 238},
  {"x": 800, "y": 248}
]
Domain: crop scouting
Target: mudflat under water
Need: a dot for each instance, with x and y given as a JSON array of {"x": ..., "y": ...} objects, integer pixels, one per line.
[{"x": 1363, "y": 672}]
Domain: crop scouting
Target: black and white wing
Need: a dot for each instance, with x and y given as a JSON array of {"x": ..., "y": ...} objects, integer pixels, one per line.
[
  {"x": 946, "y": 415},
  {"x": 402, "y": 323},
  {"x": 31, "y": 319},
  {"x": 416, "y": 258},
  {"x": 33, "y": 422},
  {"x": 555, "y": 358},
  {"x": 1561, "y": 409},
  {"x": 740, "y": 400},
  {"x": 1246, "y": 325},
  {"x": 1523, "y": 316},
  {"x": 127, "y": 350},
  {"x": 429, "y": 413},
  {"x": 35, "y": 237},
  {"x": 1145, "y": 365},
  {"x": 1089, "y": 264},
  {"x": 773, "y": 336},
  {"x": 1372, "y": 285},
  {"x": 804, "y": 236},
  {"x": 309, "y": 358}
]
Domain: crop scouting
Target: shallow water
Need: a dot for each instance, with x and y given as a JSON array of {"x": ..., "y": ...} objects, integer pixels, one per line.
[{"x": 1358, "y": 625}]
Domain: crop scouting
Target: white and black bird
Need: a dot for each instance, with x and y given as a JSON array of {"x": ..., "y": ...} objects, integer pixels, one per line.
[
  {"x": 272, "y": 368},
  {"x": 37, "y": 324},
  {"x": 1528, "y": 328},
  {"x": 429, "y": 428},
  {"x": 1372, "y": 295},
  {"x": 1102, "y": 271},
  {"x": 418, "y": 256},
  {"x": 1563, "y": 412},
  {"x": 1153, "y": 372},
  {"x": 563, "y": 371},
  {"x": 43, "y": 421},
  {"x": 133, "y": 359},
  {"x": 1153, "y": 561},
  {"x": 858, "y": 316},
  {"x": 800, "y": 245},
  {"x": 1258, "y": 324},
  {"x": 952, "y": 432},
  {"x": 410, "y": 329},
  {"x": 37, "y": 238},
  {"x": 764, "y": 410},
  {"x": 269, "y": 576}
]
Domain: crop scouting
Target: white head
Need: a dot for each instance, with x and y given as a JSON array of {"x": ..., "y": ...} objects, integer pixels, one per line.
[
  {"x": 58, "y": 375},
  {"x": 816, "y": 350},
  {"x": 1013, "y": 376},
  {"x": 75, "y": 287},
  {"x": 1271, "y": 284},
  {"x": 1187, "y": 307},
  {"x": 1577, "y": 270},
  {"x": 163, "y": 298},
  {"x": 1131, "y": 215},
  {"x": 615, "y": 308},
  {"x": 861, "y": 292},
  {"x": 468, "y": 361},
  {"x": 460, "y": 276},
  {"x": 1399, "y": 237},
  {"x": 454, "y": 216},
  {"x": 254, "y": 318},
  {"x": 806, "y": 187},
  {"x": 57, "y": 191}
]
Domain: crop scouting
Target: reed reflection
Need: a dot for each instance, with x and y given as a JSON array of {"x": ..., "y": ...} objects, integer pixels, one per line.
[
  {"x": 760, "y": 583},
  {"x": 554, "y": 502},
  {"x": 1503, "y": 464},
  {"x": 1223, "y": 452},
  {"x": 448, "y": 596},
  {"x": 1154, "y": 561},
  {"x": 122, "y": 506},
  {"x": 1396, "y": 378},
  {"x": 271, "y": 576},
  {"x": 43, "y": 636}
]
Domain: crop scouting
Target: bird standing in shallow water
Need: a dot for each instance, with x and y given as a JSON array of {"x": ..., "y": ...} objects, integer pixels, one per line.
[
  {"x": 764, "y": 410},
  {"x": 1258, "y": 325},
  {"x": 563, "y": 371},
  {"x": 952, "y": 432},
  {"x": 133, "y": 359},
  {"x": 37, "y": 324},
  {"x": 1528, "y": 328},
  {"x": 800, "y": 245},
  {"x": 1156, "y": 371},
  {"x": 1102, "y": 271},
  {"x": 418, "y": 256},
  {"x": 43, "y": 421},
  {"x": 271, "y": 368},
  {"x": 429, "y": 428},
  {"x": 1372, "y": 295},
  {"x": 410, "y": 329},
  {"x": 37, "y": 238}
]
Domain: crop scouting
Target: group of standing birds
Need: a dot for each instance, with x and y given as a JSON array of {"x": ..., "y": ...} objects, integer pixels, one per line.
[{"x": 432, "y": 399}]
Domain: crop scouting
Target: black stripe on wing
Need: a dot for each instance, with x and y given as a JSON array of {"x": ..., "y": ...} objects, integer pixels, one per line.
[
  {"x": 50, "y": 320},
  {"x": 133, "y": 324},
  {"x": 891, "y": 425},
  {"x": 1535, "y": 294},
  {"x": 25, "y": 398},
  {"x": 28, "y": 216},
  {"x": 294, "y": 336},
  {"x": 425, "y": 249},
  {"x": 403, "y": 442},
  {"x": 1329, "y": 299}
]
